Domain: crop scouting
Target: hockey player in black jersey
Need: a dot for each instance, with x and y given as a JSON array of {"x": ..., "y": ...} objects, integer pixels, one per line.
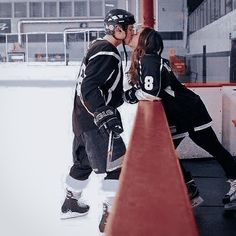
[
  {"x": 152, "y": 79},
  {"x": 99, "y": 92}
]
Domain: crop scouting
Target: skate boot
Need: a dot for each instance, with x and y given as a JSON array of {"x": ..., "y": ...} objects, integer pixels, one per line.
[
  {"x": 193, "y": 193},
  {"x": 229, "y": 199},
  {"x": 73, "y": 206},
  {"x": 105, "y": 215}
]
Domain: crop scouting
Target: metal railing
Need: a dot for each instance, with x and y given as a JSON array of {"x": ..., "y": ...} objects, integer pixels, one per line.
[{"x": 66, "y": 46}]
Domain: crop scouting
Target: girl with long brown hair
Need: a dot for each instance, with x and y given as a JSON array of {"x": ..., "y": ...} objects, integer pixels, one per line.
[{"x": 152, "y": 79}]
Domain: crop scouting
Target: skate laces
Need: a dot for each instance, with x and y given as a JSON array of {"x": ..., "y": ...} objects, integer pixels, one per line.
[
  {"x": 78, "y": 196},
  {"x": 232, "y": 186},
  {"x": 105, "y": 208},
  {"x": 191, "y": 182},
  {"x": 82, "y": 202},
  {"x": 192, "y": 189}
]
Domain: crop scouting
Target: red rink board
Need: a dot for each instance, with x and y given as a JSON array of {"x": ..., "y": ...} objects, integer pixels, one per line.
[{"x": 152, "y": 198}]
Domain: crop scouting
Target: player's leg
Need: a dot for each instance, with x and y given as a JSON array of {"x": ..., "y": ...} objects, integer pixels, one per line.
[
  {"x": 76, "y": 181},
  {"x": 109, "y": 186},
  {"x": 97, "y": 151}
]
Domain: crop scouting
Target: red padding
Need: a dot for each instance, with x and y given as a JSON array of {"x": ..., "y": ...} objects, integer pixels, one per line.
[
  {"x": 152, "y": 198},
  {"x": 234, "y": 122}
]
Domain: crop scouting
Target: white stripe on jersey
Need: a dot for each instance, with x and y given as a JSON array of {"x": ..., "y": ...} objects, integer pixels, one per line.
[
  {"x": 161, "y": 66},
  {"x": 112, "y": 88},
  {"x": 118, "y": 75},
  {"x": 106, "y": 53},
  {"x": 141, "y": 95},
  {"x": 182, "y": 135},
  {"x": 82, "y": 101},
  {"x": 170, "y": 91},
  {"x": 110, "y": 75},
  {"x": 201, "y": 127},
  {"x": 167, "y": 67}
]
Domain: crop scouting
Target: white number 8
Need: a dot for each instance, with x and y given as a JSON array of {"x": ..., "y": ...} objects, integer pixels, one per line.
[{"x": 148, "y": 82}]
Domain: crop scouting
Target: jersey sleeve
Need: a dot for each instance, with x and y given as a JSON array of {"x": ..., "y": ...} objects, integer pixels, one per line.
[
  {"x": 169, "y": 75},
  {"x": 99, "y": 69}
]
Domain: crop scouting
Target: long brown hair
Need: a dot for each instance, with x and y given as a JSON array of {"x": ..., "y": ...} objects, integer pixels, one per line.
[{"x": 149, "y": 42}]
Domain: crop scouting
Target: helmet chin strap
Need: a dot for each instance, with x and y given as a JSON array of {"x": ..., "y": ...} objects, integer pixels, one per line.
[
  {"x": 123, "y": 44},
  {"x": 125, "y": 52}
]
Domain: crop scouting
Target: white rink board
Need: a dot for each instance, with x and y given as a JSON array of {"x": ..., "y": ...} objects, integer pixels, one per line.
[
  {"x": 212, "y": 98},
  {"x": 229, "y": 114}
]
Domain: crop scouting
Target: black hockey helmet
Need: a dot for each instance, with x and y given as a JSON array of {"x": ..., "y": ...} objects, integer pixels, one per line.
[{"x": 118, "y": 17}]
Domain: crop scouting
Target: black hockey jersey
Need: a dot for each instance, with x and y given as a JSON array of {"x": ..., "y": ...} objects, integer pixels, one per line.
[
  {"x": 100, "y": 82},
  {"x": 184, "y": 109}
]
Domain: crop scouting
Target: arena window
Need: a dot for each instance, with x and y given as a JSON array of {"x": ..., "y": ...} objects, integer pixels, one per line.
[
  {"x": 5, "y": 10},
  {"x": 96, "y": 8},
  {"x": 20, "y": 9},
  {"x": 35, "y": 9},
  {"x": 176, "y": 35},
  {"x": 65, "y": 9},
  {"x": 50, "y": 9},
  {"x": 80, "y": 8}
]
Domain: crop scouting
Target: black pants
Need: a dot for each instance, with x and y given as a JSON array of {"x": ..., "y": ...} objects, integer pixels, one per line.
[
  {"x": 208, "y": 140},
  {"x": 90, "y": 154}
]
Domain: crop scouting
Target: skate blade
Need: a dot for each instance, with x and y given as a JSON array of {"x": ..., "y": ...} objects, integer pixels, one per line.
[
  {"x": 230, "y": 206},
  {"x": 197, "y": 201},
  {"x": 69, "y": 215}
]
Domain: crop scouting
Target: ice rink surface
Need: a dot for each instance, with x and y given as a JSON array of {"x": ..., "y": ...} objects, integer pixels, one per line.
[
  {"x": 35, "y": 156},
  {"x": 36, "y": 136}
]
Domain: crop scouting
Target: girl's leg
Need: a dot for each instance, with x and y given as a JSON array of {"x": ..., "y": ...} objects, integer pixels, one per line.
[
  {"x": 186, "y": 174},
  {"x": 192, "y": 188},
  {"x": 208, "y": 140}
]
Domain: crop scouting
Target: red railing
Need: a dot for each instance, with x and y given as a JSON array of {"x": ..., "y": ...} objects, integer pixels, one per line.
[{"x": 152, "y": 198}]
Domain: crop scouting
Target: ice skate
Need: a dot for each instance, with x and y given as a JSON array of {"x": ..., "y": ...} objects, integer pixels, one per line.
[
  {"x": 103, "y": 221},
  {"x": 73, "y": 206},
  {"x": 229, "y": 199},
  {"x": 193, "y": 193}
]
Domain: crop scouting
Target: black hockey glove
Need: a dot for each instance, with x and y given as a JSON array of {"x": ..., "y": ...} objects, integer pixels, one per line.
[
  {"x": 129, "y": 96},
  {"x": 108, "y": 119}
]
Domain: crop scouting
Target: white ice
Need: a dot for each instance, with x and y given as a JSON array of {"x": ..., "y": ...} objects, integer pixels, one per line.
[{"x": 36, "y": 154}]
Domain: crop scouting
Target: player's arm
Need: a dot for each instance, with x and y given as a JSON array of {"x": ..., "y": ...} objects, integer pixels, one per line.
[
  {"x": 134, "y": 95},
  {"x": 98, "y": 71},
  {"x": 168, "y": 72}
]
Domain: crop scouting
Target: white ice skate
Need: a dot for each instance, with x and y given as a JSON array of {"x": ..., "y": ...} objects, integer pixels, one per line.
[{"x": 229, "y": 199}]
